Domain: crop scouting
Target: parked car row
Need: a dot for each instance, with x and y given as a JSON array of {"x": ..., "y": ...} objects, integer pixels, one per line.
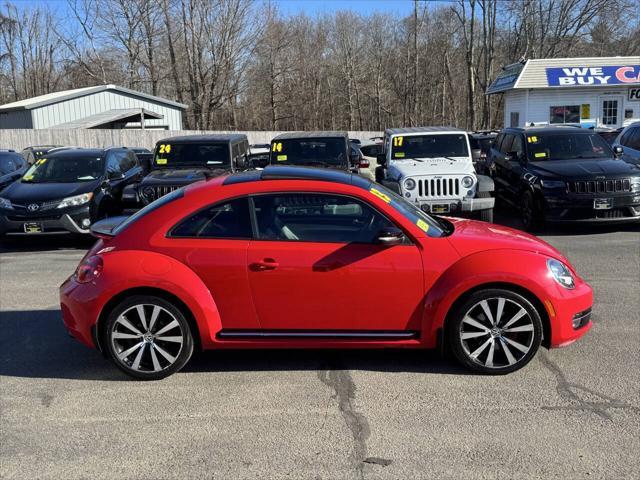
[{"x": 549, "y": 174}]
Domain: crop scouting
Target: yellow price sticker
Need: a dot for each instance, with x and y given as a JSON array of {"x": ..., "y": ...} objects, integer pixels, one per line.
[
  {"x": 276, "y": 147},
  {"x": 397, "y": 141},
  {"x": 27, "y": 177},
  {"x": 281, "y": 158},
  {"x": 161, "y": 161},
  {"x": 532, "y": 139},
  {"x": 399, "y": 154},
  {"x": 380, "y": 195},
  {"x": 41, "y": 161},
  {"x": 165, "y": 148},
  {"x": 540, "y": 155},
  {"x": 422, "y": 225}
]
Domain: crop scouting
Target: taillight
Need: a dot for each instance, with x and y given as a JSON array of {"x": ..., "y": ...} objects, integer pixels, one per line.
[{"x": 89, "y": 269}]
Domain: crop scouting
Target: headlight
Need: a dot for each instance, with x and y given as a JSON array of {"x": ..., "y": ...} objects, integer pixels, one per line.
[
  {"x": 75, "y": 201},
  {"x": 561, "y": 273},
  {"x": 467, "y": 181},
  {"x": 409, "y": 184},
  {"x": 635, "y": 185},
  {"x": 4, "y": 203},
  {"x": 553, "y": 184}
]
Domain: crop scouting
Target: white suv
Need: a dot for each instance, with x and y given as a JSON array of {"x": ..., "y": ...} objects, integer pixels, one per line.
[{"x": 433, "y": 168}]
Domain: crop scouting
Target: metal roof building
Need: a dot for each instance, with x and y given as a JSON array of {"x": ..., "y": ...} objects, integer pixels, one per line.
[
  {"x": 103, "y": 106},
  {"x": 586, "y": 92}
]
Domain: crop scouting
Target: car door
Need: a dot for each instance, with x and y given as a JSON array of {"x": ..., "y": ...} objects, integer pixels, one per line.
[
  {"x": 501, "y": 166},
  {"x": 315, "y": 266},
  {"x": 213, "y": 242}
]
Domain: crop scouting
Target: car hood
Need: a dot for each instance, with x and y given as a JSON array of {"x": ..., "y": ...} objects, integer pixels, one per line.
[
  {"x": 583, "y": 168},
  {"x": 22, "y": 193},
  {"x": 182, "y": 176},
  {"x": 471, "y": 236},
  {"x": 431, "y": 166}
]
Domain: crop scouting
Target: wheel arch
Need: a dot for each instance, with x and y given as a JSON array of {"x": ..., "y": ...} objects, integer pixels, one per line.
[
  {"x": 100, "y": 326},
  {"x": 514, "y": 287}
]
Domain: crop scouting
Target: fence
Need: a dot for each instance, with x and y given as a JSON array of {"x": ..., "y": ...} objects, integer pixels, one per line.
[{"x": 17, "y": 139}]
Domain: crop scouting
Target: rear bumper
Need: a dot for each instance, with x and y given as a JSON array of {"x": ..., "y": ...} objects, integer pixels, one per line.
[
  {"x": 12, "y": 223},
  {"x": 80, "y": 311}
]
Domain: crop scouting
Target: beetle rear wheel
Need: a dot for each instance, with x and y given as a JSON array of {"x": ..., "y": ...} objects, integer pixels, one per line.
[
  {"x": 495, "y": 331},
  {"x": 148, "y": 337}
]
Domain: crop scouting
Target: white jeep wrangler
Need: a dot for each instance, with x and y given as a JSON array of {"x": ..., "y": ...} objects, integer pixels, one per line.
[{"x": 433, "y": 168}]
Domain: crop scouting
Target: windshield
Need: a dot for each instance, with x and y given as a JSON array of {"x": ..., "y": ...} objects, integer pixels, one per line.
[
  {"x": 566, "y": 146},
  {"x": 65, "y": 170},
  {"x": 429, "y": 146},
  {"x": 426, "y": 223},
  {"x": 176, "y": 155},
  {"x": 309, "y": 151}
]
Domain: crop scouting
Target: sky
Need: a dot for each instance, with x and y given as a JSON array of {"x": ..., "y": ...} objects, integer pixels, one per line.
[{"x": 292, "y": 7}]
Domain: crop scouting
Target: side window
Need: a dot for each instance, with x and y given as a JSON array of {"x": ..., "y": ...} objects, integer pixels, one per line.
[
  {"x": 113, "y": 164},
  {"x": 127, "y": 161},
  {"x": 517, "y": 145},
  {"x": 505, "y": 147},
  {"x": 224, "y": 220},
  {"x": 312, "y": 217},
  {"x": 498, "y": 141}
]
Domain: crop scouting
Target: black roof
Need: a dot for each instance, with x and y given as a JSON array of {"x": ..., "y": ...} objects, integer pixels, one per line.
[
  {"x": 397, "y": 131},
  {"x": 286, "y": 172},
  {"x": 549, "y": 129},
  {"x": 319, "y": 134},
  {"x": 82, "y": 152},
  {"x": 221, "y": 138}
]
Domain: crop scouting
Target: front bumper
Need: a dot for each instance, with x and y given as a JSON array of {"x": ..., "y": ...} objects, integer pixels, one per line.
[
  {"x": 440, "y": 205},
  {"x": 580, "y": 209},
  {"x": 563, "y": 306},
  {"x": 51, "y": 221}
]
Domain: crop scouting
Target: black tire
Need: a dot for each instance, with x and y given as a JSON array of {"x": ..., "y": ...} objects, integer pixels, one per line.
[
  {"x": 497, "y": 350},
  {"x": 530, "y": 212},
  {"x": 156, "y": 357}
]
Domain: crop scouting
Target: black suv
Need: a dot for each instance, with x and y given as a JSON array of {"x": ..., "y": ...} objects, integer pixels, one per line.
[
  {"x": 179, "y": 161},
  {"x": 315, "y": 149},
  {"x": 68, "y": 190},
  {"x": 563, "y": 174}
]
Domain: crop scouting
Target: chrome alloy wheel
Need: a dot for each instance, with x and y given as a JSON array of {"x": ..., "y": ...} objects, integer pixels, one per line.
[
  {"x": 497, "y": 332},
  {"x": 146, "y": 338}
]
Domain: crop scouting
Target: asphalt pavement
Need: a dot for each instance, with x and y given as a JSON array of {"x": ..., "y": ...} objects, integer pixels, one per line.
[{"x": 67, "y": 413}]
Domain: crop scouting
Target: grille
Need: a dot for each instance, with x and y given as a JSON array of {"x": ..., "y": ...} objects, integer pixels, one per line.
[
  {"x": 153, "y": 192},
  {"x": 600, "y": 186},
  {"x": 43, "y": 205},
  {"x": 613, "y": 213},
  {"x": 439, "y": 187}
]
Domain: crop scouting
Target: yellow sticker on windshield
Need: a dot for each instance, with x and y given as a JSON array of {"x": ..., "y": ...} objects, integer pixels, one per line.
[
  {"x": 161, "y": 161},
  {"x": 164, "y": 148},
  {"x": 532, "y": 139},
  {"x": 422, "y": 225},
  {"x": 281, "y": 158},
  {"x": 41, "y": 161},
  {"x": 27, "y": 177},
  {"x": 399, "y": 154},
  {"x": 382, "y": 196},
  {"x": 540, "y": 154},
  {"x": 397, "y": 141},
  {"x": 276, "y": 147}
]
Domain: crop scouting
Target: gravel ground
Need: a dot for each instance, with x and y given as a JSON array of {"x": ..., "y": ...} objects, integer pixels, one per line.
[{"x": 571, "y": 413}]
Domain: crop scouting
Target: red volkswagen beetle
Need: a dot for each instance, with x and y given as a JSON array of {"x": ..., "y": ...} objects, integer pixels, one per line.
[{"x": 298, "y": 257}]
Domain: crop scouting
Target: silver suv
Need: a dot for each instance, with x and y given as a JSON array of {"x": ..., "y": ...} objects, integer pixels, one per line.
[{"x": 433, "y": 168}]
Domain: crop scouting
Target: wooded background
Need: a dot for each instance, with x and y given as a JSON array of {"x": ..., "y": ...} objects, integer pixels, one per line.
[{"x": 242, "y": 65}]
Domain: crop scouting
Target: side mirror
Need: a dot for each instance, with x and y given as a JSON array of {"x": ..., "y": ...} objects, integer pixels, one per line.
[
  {"x": 241, "y": 162},
  {"x": 618, "y": 150},
  {"x": 382, "y": 159},
  {"x": 391, "y": 236}
]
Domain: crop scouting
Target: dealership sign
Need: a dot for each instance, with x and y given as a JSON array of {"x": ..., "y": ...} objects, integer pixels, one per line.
[{"x": 606, "y": 75}]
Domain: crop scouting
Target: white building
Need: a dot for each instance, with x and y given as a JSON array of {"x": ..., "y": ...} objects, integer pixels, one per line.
[
  {"x": 586, "y": 92},
  {"x": 103, "y": 106}
]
